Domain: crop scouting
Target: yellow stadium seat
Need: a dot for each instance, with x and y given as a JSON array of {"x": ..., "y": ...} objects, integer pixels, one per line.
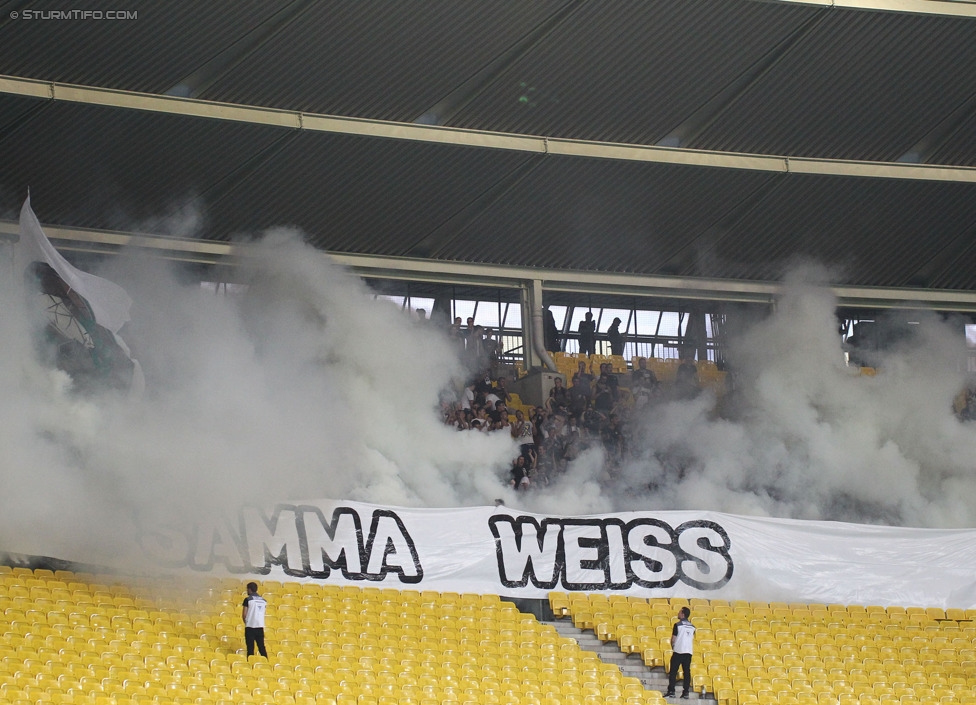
[{"x": 559, "y": 603}]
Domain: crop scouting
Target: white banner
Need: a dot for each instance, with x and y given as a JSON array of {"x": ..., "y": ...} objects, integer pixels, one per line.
[{"x": 517, "y": 554}]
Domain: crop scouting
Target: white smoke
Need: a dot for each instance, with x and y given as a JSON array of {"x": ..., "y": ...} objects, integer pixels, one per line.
[
  {"x": 812, "y": 439},
  {"x": 306, "y": 388},
  {"x": 303, "y": 388}
]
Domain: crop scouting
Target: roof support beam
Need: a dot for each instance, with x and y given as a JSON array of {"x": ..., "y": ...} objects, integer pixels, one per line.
[
  {"x": 466, "y": 273},
  {"x": 949, "y": 8},
  {"x": 476, "y": 138}
]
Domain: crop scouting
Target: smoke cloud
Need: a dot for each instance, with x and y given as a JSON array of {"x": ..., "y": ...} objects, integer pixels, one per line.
[
  {"x": 306, "y": 387},
  {"x": 808, "y": 437}
]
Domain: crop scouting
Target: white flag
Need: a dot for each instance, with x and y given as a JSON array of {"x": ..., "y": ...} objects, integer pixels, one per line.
[{"x": 109, "y": 303}]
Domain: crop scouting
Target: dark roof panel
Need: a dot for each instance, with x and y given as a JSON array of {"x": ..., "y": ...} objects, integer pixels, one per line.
[
  {"x": 731, "y": 75},
  {"x": 959, "y": 147},
  {"x": 875, "y": 232},
  {"x": 630, "y": 71},
  {"x": 150, "y": 52},
  {"x": 862, "y": 85},
  {"x": 377, "y": 59},
  {"x": 97, "y": 167},
  {"x": 358, "y": 194},
  {"x": 602, "y": 215}
]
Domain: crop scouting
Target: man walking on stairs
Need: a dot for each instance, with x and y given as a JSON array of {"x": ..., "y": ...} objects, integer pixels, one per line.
[{"x": 682, "y": 641}]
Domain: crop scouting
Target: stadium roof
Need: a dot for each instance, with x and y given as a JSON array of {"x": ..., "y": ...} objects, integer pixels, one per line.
[{"x": 688, "y": 139}]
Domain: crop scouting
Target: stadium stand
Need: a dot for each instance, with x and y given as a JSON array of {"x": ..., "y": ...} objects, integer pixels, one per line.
[
  {"x": 798, "y": 654},
  {"x": 84, "y": 639}
]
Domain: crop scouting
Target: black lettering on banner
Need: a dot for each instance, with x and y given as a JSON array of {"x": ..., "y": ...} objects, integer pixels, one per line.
[
  {"x": 527, "y": 551},
  {"x": 299, "y": 539},
  {"x": 652, "y": 561},
  {"x": 268, "y": 540},
  {"x": 399, "y": 555},
  {"x": 707, "y": 564},
  {"x": 585, "y": 554},
  {"x": 606, "y": 554},
  {"x": 334, "y": 544}
]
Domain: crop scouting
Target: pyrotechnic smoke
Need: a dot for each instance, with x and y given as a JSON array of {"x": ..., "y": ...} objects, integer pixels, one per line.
[
  {"x": 305, "y": 387},
  {"x": 809, "y": 437}
]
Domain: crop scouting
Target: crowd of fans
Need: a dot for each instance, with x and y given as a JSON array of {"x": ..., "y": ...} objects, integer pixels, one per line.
[{"x": 593, "y": 411}]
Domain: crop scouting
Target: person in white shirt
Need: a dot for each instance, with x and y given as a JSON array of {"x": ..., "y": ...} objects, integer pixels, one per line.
[
  {"x": 682, "y": 641},
  {"x": 252, "y": 613}
]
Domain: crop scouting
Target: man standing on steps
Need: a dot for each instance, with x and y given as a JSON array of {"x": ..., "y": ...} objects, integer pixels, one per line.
[
  {"x": 252, "y": 613},
  {"x": 682, "y": 640}
]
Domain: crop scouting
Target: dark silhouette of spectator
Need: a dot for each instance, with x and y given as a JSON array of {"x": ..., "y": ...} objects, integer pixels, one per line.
[
  {"x": 587, "y": 335},
  {"x": 616, "y": 338},
  {"x": 550, "y": 332}
]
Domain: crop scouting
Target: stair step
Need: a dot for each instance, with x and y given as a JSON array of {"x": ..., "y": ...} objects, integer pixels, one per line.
[{"x": 629, "y": 664}]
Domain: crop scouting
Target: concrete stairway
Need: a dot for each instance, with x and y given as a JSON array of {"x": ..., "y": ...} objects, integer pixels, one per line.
[{"x": 629, "y": 664}]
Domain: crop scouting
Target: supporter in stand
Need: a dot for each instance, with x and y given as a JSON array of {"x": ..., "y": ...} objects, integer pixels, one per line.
[
  {"x": 582, "y": 390},
  {"x": 481, "y": 422},
  {"x": 467, "y": 396},
  {"x": 550, "y": 332},
  {"x": 504, "y": 422},
  {"x": 572, "y": 444},
  {"x": 522, "y": 433},
  {"x": 644, "y": 384},
  {"x": 587, "y": 335},
  {"x": 612, "y": 381},
  {"x": 497, "y": 410},
  {"x": 616, "y": 338},
  {"x": 456, "y": 336},
  {"x": 592, "y": 422},
  {"x": 520, "y": 474},
  {"x": 559, "y": 398},
  {"x": 252, "y": 613},
  {"x": 501, "y": 389},
  {"x": 464, "y": 418},
  {"x": 682, "y": 642},
  {"x": 603, "y": 393},
  {"x": 493, "y": 351},
  {"x": 538, "y": 418},
  {"x": 476, "y": 351},
  {"x": 468, "y": 332},
  {"x": 613, "y": 439}
]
